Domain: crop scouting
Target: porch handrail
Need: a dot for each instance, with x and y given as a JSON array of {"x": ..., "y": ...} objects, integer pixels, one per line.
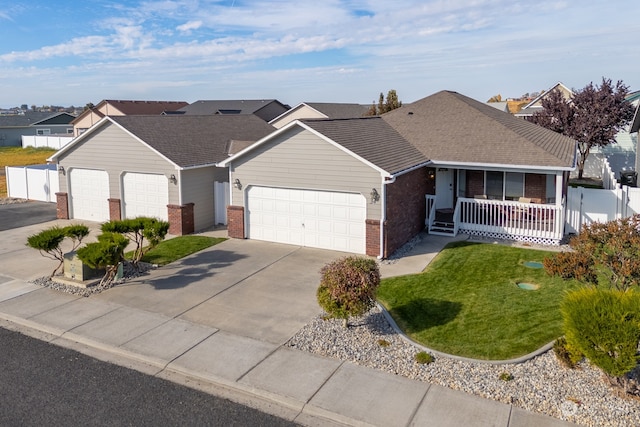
[
  {"x": 510, "y": 218},
  {"x": 431, "y": 210}
]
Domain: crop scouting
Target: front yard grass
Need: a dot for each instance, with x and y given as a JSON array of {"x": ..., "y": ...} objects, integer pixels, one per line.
[
  {"x": 171, "y": 250},
  {"x": 467, "y": 302}
]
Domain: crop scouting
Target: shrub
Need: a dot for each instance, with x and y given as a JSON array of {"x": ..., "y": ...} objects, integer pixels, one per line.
[
  {"x": 138, "y": 229},
  {"x": 505, "y": 376},
  {"x": 383, "y": 343},
  {"x": 348, "y": 286},
  {"x": 106, "y": 254},
  {"x": 604, "y": 325},
  {"x": 603, "y": 251},
  {"x": 48, "y": 242},
  {"x": 571, "y": 265},
  {"x": 423, "y": 358},
  {"x": 567, "y": 355}
]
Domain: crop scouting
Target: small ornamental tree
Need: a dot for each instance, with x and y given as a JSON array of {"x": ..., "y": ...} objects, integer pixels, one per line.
[
  {"x": 592, "y": 116},
  {"x": 603, "y": 253},
  {"x": 137, "y": 230},
  {"x": 348, "y": 287},
  {"x": 105, "y": 254},
  {"x": 604, "y": 325},
  {"x": 48, "y": 242}
]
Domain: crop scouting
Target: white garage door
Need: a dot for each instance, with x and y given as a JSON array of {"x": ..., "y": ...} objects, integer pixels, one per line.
[
  {"x": 319, "y": 219},
  {"x": 89, "y": 194},
  {"x": 145, "y": 195}
]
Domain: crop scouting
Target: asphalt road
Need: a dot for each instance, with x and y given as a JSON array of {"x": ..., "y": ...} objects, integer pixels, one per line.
[
  {"x": 22, "y": 214},
  {"x": 42, "y": 384}
]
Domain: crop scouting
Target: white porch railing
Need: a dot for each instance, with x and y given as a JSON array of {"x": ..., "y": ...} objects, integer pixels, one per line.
[
  {"x": 431, "y": 210},
  {"x": 510, "y": 220},
  {"x": 504, "y": 219}
]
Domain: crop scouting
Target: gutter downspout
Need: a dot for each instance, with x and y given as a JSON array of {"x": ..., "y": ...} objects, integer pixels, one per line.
[{"x": 383, "y": 215}]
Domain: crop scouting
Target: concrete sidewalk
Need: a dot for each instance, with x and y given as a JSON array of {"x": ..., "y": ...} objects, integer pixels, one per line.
[{"x": 193, "y": 323}]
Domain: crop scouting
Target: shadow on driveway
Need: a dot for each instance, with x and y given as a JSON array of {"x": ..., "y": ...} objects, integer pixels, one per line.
[
  {"x": 17, "y": 215},
  {"x": 194, "y": 268}
]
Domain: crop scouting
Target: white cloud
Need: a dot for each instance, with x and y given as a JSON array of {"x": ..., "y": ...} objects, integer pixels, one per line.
[{"x": 189, "y": 26}]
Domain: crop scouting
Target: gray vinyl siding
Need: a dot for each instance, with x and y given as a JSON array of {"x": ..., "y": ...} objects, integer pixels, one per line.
[
  {"x": 113, "y": 150},
  {"x": 198, "y": 189},
  {"x": 300, "y": 159}
]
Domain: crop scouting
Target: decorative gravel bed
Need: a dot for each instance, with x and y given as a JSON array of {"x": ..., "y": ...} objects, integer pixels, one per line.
[
  {"x": 128, "y": 273},
  {"x": 541, "y": 384}
]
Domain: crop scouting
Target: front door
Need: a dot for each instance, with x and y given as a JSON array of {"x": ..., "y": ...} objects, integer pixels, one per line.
[{"x": 444, "y": 188}]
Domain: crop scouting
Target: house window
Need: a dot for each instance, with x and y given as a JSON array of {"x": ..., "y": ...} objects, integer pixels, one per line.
[
  {"x": 70, "y": 131},
  {"x": 43, "y": 131},
  {"x": 513, "y": 185},
  {"x": 493, "y": 184}
]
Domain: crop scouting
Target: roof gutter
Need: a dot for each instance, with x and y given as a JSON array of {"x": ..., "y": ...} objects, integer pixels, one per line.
[{"x": 499, "y": 166}]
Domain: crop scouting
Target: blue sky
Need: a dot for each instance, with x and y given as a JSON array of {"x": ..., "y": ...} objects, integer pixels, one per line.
[{"x": 74, "y": 52}]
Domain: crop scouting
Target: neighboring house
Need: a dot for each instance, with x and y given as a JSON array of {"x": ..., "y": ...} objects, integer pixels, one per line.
[
  {"x": 368, "y": 185},
  {"x": 622, "y": 155},
  {"x": 159, "y": 166},
  {"x": 536, "y": 104},
  {"x": 110, "y": 107},
  {"x": 266, "y": 109},
  {"x": 13, "y": 127},
  {"x": 634, "y": 129},
  {"x": 320, "y": 110}
]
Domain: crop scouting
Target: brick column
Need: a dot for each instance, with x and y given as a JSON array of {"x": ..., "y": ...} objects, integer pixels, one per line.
[
  {"x": 62, "y": 206},
  {"x": 181, "y": 219},
  {"x": 372, "y": 237},
  {"x": 235, "y": 222},
  {"x": 114, "y": 210}
]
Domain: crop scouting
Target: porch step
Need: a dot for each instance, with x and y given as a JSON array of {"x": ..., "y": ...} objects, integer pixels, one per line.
[{"x": 442, "y": 228}]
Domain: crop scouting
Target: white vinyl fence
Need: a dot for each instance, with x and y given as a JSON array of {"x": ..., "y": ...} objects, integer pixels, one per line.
[
  {"x": 587, "y": 205},
  {"x": 37, "y": 182},
  {"x": 51, "y": 141}
]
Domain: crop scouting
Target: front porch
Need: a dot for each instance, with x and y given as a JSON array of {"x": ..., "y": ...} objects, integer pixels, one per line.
[{"x": 498, "y": 219}]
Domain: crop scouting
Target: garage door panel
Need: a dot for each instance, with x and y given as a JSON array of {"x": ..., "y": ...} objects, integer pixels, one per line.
[
  {"x": 89, "y": 194},
  {"x": 312, "y": 218},
  {"x": 145, "y": 195}
]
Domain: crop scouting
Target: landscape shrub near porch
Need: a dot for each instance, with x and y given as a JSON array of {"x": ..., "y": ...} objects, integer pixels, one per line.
[{"x": 468, "y": 302}]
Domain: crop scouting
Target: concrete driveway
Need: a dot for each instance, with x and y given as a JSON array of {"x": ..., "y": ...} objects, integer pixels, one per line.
[
  {"x": 17, "y": 215},
  {"x": 259, "y": 290}
]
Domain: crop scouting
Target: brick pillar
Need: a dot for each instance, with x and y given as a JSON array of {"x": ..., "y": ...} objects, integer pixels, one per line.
[
  {"x": 114, "y": 210},
  {"x": 235, "y": 222},
  {"x": 372, "y": 237},
  {"x": 181, "y": 219},
  {"x": 62, "y": 206}
]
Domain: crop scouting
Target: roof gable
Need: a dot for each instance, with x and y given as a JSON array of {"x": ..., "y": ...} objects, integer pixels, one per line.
[
  {"x": 370, "y": 140},
  {"x": 187, "y": 141},
  {"x": 451, "y": 127}
]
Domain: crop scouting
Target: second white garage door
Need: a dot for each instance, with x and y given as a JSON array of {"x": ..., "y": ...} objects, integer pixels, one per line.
[
  {"x": 145, "y": 195},
  {"x": 319, "y": 219}
]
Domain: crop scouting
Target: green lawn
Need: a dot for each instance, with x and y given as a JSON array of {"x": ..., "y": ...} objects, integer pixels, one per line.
[
  {"x": 467, "y": 302},
  {"x": 179, "y": 247}
]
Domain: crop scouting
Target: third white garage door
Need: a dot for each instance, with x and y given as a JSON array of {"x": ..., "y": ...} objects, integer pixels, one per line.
[{"x": 319, "y": 219}]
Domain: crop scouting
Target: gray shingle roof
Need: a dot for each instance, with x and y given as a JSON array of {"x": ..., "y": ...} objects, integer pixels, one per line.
[
  {"x": 271, "y": 107},
  {"x": 339, "y": 111},
  {"x": 27, "y": 119},
  {"x": 448, "y": 126},
  {"x": 190, "y": 140},
  {"x": 372, "y": 139}
]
